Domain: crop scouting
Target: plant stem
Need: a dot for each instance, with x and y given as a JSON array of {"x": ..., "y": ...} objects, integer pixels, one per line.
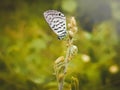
[{"x": 66, "y": 63}]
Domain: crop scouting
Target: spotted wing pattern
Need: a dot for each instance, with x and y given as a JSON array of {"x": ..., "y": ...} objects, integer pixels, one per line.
[{"x": 57, "y": 22}]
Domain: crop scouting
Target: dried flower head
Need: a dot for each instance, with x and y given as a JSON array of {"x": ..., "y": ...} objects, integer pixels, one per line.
[{"x": 72, "y": 27}]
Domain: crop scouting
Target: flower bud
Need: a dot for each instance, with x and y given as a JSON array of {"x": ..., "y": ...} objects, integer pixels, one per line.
[
  {"x": 75, "y": 29},
  {"x": 60, "y": 77},
  {"x": 69, "y": 25},
  {"x": 73, "y": 50},
  {"x": 59, "y": 59},
  {"x": 71, "y": 34},
  {"x": 73, "y": 22}
]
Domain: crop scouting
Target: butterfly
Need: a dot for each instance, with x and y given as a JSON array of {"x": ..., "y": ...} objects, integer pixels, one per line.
[{"x": 57, "y": 22}]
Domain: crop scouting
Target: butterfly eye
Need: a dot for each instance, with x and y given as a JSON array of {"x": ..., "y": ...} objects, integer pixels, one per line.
[{"x": 59, "y": 14}]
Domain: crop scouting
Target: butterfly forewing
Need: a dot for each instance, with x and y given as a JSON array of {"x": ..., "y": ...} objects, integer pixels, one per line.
[{"x": 57, "y": 22}]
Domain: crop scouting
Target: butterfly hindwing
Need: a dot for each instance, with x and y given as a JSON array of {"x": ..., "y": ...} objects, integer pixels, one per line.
[{"x": 57, "y": 22}]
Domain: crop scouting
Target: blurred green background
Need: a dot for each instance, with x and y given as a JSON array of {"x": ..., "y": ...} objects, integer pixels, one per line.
[{"x": 28, "y": 47}]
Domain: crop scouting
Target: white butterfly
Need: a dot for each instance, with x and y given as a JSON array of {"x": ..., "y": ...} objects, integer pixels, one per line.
[{"x": 57, "y": 22}]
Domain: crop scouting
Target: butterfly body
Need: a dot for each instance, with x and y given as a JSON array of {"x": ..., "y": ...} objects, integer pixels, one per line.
[{"x": 57, "y": 22}]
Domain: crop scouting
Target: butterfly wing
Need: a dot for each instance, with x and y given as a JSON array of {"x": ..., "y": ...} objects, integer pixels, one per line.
[{"x": 57, "y": 22}]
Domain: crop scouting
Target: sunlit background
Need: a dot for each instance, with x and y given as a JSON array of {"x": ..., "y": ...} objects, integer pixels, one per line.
[{"x": 29, "y": 48}]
